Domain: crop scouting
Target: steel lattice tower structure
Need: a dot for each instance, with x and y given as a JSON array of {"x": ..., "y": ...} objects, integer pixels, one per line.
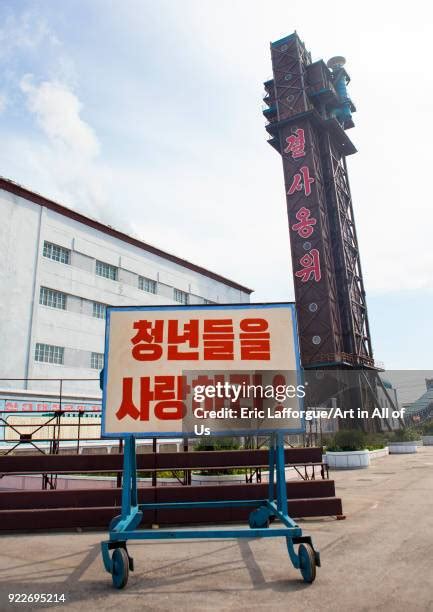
[{"x": 308, "y": 112}]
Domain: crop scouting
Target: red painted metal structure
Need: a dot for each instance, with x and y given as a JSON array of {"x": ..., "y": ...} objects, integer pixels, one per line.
[
  {"x": 310, "y": 135},
  {"x": 308, "y": 112}
]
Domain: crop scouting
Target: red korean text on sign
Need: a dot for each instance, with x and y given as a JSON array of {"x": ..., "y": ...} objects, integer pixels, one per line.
[
  {"x": 296, "y": 144},
  {"x": 301, "y": 180},
  {"x": 311, "y": 267},
  {"x": 167, "y": 395},
  {"x": 218, "y": 339},
  {"x": 186, "y": 341},
  {"x": 255, "y": 339},
  {"x": 189, "y": 335},
  {"x": 148, "y": 340},
  {"x": 11, "y": 406},
  {"x": 306, "y": 222}
]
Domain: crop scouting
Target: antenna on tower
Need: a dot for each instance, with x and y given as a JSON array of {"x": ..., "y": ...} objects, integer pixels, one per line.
[{"x": 336, "y": 62}]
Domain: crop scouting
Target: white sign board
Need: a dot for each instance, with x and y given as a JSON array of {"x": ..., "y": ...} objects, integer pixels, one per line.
[{"x": 170, "y": 370}]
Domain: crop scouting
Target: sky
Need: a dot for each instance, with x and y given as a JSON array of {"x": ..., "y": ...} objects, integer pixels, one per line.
[{"x": 148, "y": 116}]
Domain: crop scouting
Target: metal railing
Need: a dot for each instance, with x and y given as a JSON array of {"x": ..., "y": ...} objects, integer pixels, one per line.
[
  {"x": 49, "y": 422},
  {"x": 42, "y": 418}
]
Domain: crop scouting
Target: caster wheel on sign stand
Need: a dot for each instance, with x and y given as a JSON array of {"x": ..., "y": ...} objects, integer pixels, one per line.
[
  {"x": 120, "y": 570},
  {"x": 307, "y": 560}
]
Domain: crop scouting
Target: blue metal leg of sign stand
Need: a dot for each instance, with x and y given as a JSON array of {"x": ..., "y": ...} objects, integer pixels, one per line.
[{"x": 124, "y": 527}]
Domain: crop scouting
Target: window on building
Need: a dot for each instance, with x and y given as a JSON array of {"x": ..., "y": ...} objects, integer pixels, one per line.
[
  {"x": 97, "y": 361},
  {"x": 205, "y": 301},
  {"x": 180, "y": 296},
  {"x": 99, "y": 310},
  {"x": 52, "y": 298},
  {"x": 56, "y": 252},
  {"x": 48, "y": 353},
  {"x": 106, "y": 270},
  {"x": 146, "y": 284}
]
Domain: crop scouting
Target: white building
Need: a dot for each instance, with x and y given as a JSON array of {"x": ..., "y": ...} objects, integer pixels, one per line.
[{"x": 60, "y": 269}]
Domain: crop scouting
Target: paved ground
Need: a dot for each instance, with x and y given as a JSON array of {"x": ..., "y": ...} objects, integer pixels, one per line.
[{"x": 380, "y": 558}]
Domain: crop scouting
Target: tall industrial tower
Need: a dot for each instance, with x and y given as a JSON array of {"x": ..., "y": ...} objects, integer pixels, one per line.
[{"x": 308, "y": 112}]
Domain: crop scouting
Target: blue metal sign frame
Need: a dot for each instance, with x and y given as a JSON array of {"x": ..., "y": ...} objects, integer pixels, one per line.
[
  {"x": 116, "y": 558},
  {"x": 264, "y": 511}
]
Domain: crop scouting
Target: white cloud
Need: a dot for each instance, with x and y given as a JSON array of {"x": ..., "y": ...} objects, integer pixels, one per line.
[
  {"x": 61, "y": 158},
  {"x": 64, "y": 163},
  {"x": 57, "y": 110}
]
